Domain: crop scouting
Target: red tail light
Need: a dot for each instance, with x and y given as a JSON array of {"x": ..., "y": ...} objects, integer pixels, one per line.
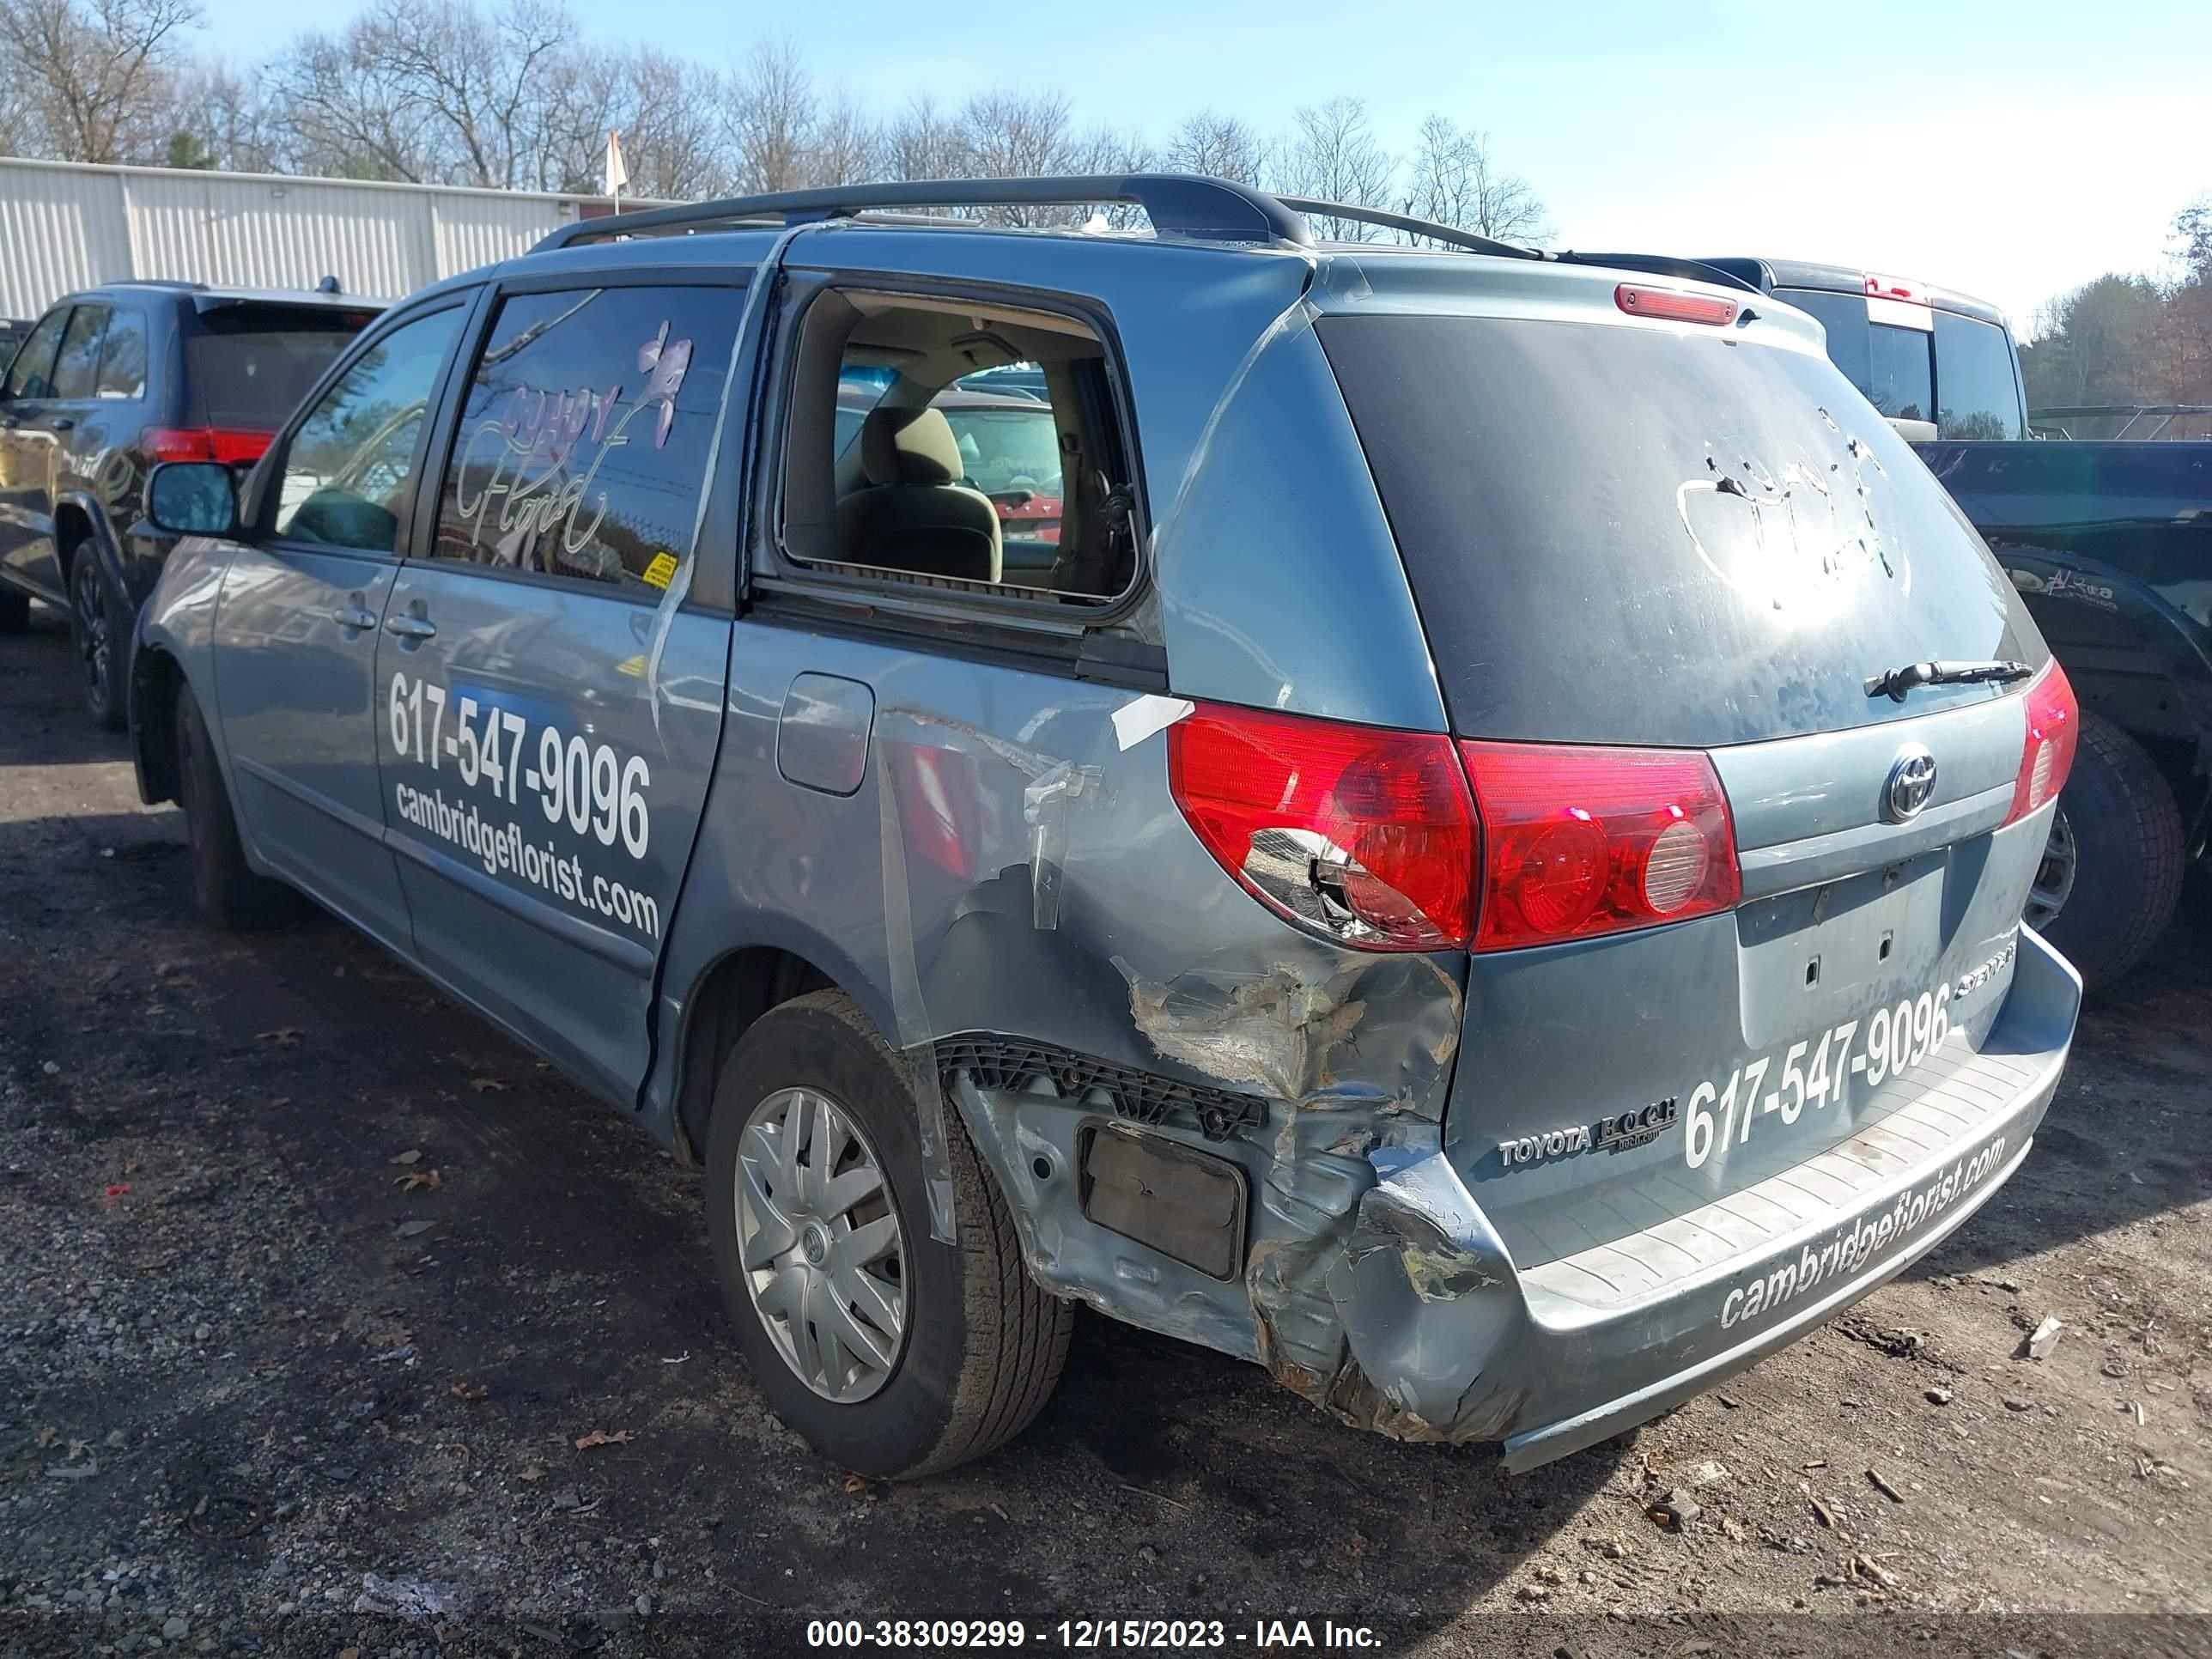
[
  {"x": 1674, "y": 306},
  {"x": 1580, "y": 841},
  {"x": 1367, "y": 836},
  {"x": 231, "y": 446},
  {"x": 2054, "y": 725}
]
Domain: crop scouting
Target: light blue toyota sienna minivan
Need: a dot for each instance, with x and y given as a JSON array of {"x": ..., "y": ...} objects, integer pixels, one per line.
[{"x": 1479, "y": 867}]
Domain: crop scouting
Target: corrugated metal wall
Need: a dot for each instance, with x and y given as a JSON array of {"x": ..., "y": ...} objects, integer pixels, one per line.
[{"x": 64, "y": 226}]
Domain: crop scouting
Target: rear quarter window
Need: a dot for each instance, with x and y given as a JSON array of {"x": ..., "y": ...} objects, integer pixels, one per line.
[{"x": 1626, "y": 534}]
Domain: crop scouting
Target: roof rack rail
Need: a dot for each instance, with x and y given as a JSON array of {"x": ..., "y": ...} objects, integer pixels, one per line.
[
  {"x": 1178, "y": 204},
  {"x": 1663, "y": 265},
  {"x": 1473, "y": 240}
]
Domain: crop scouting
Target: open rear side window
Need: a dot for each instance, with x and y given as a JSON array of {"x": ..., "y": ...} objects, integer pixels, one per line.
[{"x": 957, "y": 445}]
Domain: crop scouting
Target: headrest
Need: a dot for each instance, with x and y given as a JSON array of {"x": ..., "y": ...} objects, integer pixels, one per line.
[{"x": 909, "y": 446}]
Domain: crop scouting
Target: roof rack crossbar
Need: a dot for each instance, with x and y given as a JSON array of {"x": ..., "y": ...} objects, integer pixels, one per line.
[
  {"x": 1473, "y": 240},
  {"x": 1178, "y": 204}
]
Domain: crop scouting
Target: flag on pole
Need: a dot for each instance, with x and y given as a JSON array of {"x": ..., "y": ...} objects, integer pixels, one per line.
[{"x": 617, "y": 175}]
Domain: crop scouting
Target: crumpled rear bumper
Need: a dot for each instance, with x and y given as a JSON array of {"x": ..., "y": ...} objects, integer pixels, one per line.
[{"x": 1459, "y": 1345}]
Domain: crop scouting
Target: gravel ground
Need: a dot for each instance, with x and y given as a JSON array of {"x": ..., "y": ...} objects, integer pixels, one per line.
[{"x": 332, "y": 1322}]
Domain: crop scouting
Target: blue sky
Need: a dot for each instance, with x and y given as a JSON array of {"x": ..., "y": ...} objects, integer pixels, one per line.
[{"x": 2009, "y": 150}]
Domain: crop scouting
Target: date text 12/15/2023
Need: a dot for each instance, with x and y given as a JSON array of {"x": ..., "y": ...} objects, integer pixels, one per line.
[{"x": 1092, "y": 1635}]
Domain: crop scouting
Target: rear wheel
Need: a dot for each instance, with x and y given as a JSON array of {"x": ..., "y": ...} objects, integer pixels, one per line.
[
  {"x": 2111, "y": 869},
  {"x": 15, "y": 610},
  {"x": 102, "y": 639},
  {"x": 224, "y": 886},
  {"x": 893, "y": 1354}
]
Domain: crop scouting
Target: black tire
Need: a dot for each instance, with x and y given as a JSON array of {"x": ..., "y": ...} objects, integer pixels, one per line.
[
  {"x": 2128, "y": 856},
  {"x": 983, "y": 1346},
  {"x": 225, "y": 888},
  {"x": 102, "y": 636},
  {"x": 15, "y": 610}
]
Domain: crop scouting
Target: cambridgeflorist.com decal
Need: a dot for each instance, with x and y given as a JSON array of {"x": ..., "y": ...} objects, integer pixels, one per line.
[{"x": 544, "y": 449}]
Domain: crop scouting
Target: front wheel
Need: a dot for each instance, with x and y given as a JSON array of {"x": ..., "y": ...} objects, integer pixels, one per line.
[
  {"x": 891, "y": 1353},
  {"x": 102, "y": 639},
  {"x": 2111, "y": 869}
]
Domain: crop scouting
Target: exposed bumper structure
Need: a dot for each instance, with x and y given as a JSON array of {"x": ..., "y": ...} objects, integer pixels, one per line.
[{"x": 1461, "y": 1346}]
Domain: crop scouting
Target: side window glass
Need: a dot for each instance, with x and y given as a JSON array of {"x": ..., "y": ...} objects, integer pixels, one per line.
[
  {"x": 76, "y": 367},
  {"x": 32, "y": 373},
  {"x": 123, "y": 357},
  {"x": 1902, "y": 380},
  {"x": 1844, "y": 317},
  {"x": 1978, "y": 396},
  {"x": 583, "y": 446},
  {"x": 941, "y": 443},
  {"x": 346, "y": 475}
]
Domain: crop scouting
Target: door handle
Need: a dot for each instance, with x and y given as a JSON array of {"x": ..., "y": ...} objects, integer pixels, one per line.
[
  {"x": 411, "y": 628},
  {"x": 354, "y": 616},
  {"x": 62, "y": 423}
]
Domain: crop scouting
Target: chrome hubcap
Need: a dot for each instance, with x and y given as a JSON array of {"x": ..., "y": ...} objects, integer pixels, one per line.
[
  {"x": 820, "y": 1244},
  {"x": 2054, "y": 876}
]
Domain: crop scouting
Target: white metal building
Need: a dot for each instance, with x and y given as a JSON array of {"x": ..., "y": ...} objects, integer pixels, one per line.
[{"x": 67, "y": 225}]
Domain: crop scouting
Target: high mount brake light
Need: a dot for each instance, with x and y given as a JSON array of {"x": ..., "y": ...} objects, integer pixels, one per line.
[
  {"x": 231, "y": 446},
  {"x": 1372, "y": 838},
  {"x": 1581, "y": 842},
  {"x": 1674, "y": 305},
  {"x": 1895, "y": 287},
  {"x": 2054, "y": 727},
  {"x": 1363, "y": 836}
]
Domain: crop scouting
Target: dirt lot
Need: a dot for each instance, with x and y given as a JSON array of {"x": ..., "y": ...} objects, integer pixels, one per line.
[{"x": 314, "y": 1284}]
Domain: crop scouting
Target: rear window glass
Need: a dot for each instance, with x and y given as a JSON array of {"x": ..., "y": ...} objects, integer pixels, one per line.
[
  {"x": 1899, "y": 380},
  {"x": 1630, "y": 535},
  {"x": 250, "y": 365},
  {"x": 1889, "y": 364},
  {"x": 1976, "y": 396}
]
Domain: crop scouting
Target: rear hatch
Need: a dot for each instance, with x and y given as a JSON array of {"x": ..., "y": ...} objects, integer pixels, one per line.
[{"x": 1700, "y": 541}]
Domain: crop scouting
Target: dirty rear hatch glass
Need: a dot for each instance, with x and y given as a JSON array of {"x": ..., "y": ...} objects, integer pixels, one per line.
[
  {"x": 249, "y": 364},
  {"x": 1625, "y": 534}
]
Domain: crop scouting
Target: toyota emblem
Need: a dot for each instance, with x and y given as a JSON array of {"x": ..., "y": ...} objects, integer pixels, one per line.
[{"x": 1911, "y": 784}]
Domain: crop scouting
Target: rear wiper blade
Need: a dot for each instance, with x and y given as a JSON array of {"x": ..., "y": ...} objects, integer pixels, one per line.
[{"x": 1896, "y": 683}]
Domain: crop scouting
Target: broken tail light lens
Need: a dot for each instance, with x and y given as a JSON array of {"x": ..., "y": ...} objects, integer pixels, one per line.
[
  {"x": 1579, "y": 842},
  {"x": 1363, "y": 836},
  {"x": 231, "y": 446},
  {"x": 2054, "y": 727},
  {"x": 1674, "y": 305}
]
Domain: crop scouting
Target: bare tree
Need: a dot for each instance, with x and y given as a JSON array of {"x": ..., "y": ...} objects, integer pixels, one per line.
[
  {"x": 1454, "y": 181},
  {"x": 1220, "y": 146},
  {"x": 771, "y": 119},
  {"x": 922, "y": 142},
  {"x": 1333, "y": 156},
  {"x": 227, "y": 121},
  {"x": 848, "y": 144},
  {"x": 353, "y": 114},
  {"x": 94, "y": 76},
  {"x": 436, "y": 91}
]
